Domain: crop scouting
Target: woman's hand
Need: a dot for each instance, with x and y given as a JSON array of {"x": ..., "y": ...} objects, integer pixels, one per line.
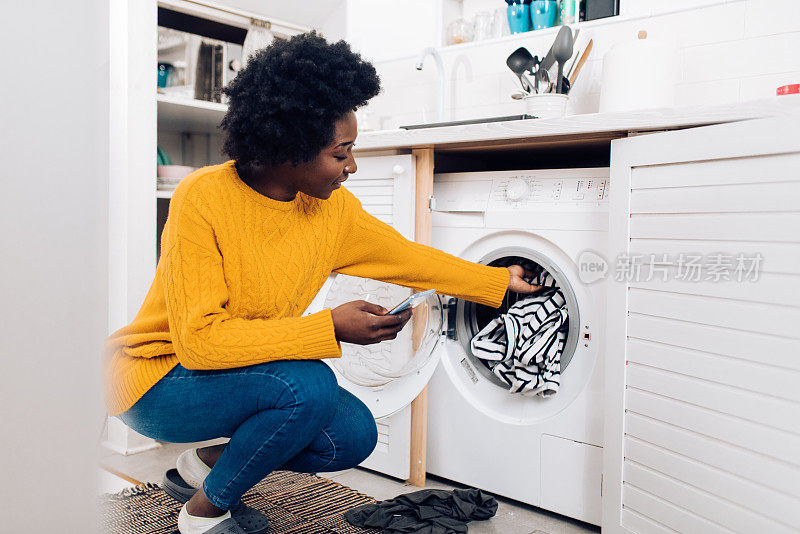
[
  {"x": 365, "y": 323},
  {"x": 519, "y": 285}
]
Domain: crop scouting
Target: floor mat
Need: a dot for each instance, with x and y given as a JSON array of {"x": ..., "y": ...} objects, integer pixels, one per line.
[{"x": 296, "y": 503}]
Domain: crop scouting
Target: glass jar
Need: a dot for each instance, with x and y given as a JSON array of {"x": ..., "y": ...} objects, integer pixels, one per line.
[
  {"x": 482, "y": 26},
  {"x": 459, "y": 31},
  {"x": 500, "y": 23}
]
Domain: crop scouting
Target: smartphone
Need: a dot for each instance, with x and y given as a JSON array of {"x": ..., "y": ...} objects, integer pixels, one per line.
[{"x": 412, "y": 302}]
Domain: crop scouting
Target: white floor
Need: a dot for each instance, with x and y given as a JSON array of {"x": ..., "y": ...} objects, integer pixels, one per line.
[
  {"x": 511, "y": 518},
  {"x": 108, "y": 483}
]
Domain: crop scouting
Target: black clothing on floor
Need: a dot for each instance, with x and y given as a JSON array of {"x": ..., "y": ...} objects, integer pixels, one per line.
[{"x": 425, "y": 512}]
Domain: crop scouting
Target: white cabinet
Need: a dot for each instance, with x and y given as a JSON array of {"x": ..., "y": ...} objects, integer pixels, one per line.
[
  {"x": 703, "y": 362},
  {"x": 385, "y": 186}
]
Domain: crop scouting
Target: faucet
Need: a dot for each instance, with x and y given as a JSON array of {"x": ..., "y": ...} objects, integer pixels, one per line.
[{"x": 440, "y": 72}]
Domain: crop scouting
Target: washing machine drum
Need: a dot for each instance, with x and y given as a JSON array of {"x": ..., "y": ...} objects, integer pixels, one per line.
[
  {"x": 474, "y": 319},
  {"x": 378, "y": 364}
]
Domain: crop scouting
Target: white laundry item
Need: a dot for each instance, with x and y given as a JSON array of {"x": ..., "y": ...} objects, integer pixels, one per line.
[
  {"x": 523, "y": 346},
  {"x": 541, "y": 277}
]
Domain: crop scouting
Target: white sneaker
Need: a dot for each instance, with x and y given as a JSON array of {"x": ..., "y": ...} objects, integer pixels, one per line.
[{"x": 192, "y": 469}]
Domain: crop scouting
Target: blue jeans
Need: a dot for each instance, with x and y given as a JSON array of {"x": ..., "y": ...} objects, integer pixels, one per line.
[{"x": 285, "y": 414}]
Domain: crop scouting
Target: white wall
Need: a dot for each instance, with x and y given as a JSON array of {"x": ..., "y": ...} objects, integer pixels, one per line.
[
  {"x": 335, "y": 25},
  {"x": 730, "y": 51},
  {"x": 53, "y": 275},
  {"x": 381, "y": 29}
]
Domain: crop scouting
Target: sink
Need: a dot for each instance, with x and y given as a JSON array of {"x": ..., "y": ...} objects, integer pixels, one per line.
[{"x": 469, "y": 121}]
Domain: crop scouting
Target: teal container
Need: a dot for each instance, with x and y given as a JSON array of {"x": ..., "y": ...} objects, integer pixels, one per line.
[
  {"x": 569, "y": 11},
  {"x": 164, "y": 73},
  {"x": 519, "y": 17},
  {"x": 543, "y": 13}
]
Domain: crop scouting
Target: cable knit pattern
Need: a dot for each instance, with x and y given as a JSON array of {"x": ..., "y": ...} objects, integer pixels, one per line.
[{"x": 238, "y": 269}]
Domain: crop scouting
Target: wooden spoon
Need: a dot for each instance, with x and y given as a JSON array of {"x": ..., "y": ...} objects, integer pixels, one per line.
[{"x": 581, "y": 61}]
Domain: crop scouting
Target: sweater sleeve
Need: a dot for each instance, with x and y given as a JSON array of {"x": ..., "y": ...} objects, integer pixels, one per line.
[
  {"x": 204, "y": 334},
  {"x": 372, "y": 249}
]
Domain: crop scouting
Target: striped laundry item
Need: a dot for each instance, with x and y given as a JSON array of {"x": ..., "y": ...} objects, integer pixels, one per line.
[
  {"x": 540, "y": 277},
  {"x": 523, "y": 346}
]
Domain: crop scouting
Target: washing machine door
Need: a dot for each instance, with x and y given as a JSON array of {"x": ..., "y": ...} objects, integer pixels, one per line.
[
  {"x": 472, "y": 378},
  {"x": 388, "y": 375}
]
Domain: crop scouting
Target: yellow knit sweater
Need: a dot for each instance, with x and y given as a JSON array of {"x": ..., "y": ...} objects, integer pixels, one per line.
[{"x": 237, "y": 270}]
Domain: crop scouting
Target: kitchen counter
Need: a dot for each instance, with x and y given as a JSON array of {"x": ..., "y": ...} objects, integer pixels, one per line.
[{"x": 609, "y": 125}]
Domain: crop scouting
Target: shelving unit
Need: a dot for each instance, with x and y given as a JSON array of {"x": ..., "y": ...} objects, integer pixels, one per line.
[
  {"x": 524, "y": 37},
  {"x": 176, "y": 114},
  {"x": 140, "y": 120},
  {"x": 180, "y": 122},
  {"x": 187, "y": 128}
]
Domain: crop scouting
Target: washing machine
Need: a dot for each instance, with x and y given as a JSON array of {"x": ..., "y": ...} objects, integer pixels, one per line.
[{"x": 544, "y": 451}]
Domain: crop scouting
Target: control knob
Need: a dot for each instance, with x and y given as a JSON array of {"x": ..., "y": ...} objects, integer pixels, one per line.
[{"x": 516, "y": 189}]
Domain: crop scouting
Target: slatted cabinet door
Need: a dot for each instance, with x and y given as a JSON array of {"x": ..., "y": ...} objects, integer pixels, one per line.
[{"x": 703, "y": 365}]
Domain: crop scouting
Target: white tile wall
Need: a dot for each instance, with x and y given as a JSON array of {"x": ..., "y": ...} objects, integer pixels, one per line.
[
  {"x": 717, "y": 92},
  {"x": 756, "y": 87},
  {"x": 730, "y": 51},
  {"x": 769, "y": 18},
  {"x": 700, "y": 26},
  {"x": 743, "y": 58}
]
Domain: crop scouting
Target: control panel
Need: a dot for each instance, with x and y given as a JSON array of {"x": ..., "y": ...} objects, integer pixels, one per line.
[
  {"x": 538, "y": 190},
  {"x": 564, "y": 199},
  {"x": 526, "y": 188}
]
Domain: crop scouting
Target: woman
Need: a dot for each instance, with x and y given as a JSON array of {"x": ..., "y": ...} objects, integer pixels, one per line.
[{"x": 219, "y": 347}]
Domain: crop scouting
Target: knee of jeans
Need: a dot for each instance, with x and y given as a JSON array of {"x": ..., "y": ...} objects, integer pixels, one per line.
[{"x": 319, "y": 393}]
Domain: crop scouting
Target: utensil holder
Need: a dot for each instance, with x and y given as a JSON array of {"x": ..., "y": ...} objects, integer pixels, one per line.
[{"x": 546, "y": 105}]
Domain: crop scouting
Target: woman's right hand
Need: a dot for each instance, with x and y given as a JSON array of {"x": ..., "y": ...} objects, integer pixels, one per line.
[{"x": 365, "y": 323}]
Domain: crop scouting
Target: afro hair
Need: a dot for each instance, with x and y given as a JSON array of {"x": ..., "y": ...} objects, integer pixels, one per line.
[{"x": 284, "y": 104}]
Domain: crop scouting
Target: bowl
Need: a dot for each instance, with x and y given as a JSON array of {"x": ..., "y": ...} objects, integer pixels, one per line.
[
  {"x": 546, "y": 105},
  {"x": 176, "y": 172}
]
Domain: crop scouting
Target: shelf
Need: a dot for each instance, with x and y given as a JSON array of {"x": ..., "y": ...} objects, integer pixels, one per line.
[
  {"x": 177, "y": 114},
  {"x": 163, "y": 194}
]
